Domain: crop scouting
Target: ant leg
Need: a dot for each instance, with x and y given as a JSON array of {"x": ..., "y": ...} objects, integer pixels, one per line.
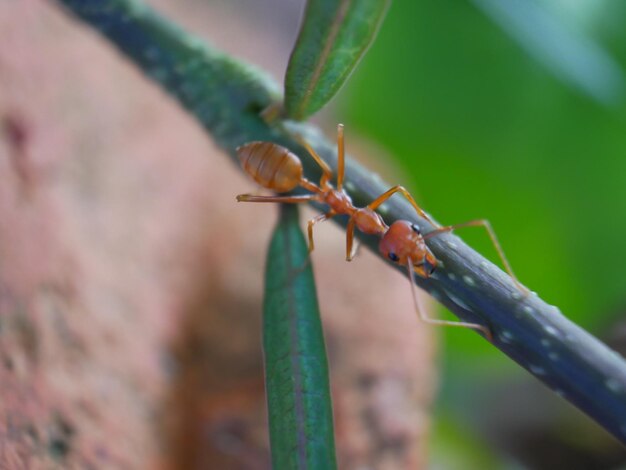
[
  {"x": 400, "y": 189},
  {"x": 285, "y": 199},
  {"x": 341, "y": 156},
  {"x": 327, "y": 172},
  {"x": 350, "y": 246},
  {"x": 492, "y": 235},
  {"x": 312, "y": 222},
  {"x": 272, "y": 112},
  {"x": 432, "y": 321}
]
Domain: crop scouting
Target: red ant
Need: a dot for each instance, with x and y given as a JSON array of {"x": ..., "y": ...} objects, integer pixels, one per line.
[{"x": 275, "y": 167}]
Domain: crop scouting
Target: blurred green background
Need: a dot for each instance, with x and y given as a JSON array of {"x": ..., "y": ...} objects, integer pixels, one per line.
[{"x": 513, "y": 111}]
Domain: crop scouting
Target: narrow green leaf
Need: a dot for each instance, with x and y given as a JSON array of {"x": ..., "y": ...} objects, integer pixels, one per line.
[
  {"x": 296, "y": 368},
  {"x": 333, "y": 37}
]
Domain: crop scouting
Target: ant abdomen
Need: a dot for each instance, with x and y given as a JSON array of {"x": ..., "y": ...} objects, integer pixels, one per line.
[{"x": 271, "y": 165}]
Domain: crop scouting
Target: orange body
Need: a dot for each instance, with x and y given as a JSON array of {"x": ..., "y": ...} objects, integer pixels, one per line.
[
  {"x": 272, "y": 166},
  {"x": 277, "y": 168}
]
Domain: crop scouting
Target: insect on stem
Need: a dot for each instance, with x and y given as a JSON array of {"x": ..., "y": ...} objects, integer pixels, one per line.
[{"x": 278, "y": 169}]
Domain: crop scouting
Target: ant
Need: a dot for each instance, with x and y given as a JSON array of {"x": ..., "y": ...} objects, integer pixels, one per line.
[{"x": 277, "y": 168}]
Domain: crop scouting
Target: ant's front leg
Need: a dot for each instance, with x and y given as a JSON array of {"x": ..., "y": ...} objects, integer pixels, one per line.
[
  {"x": 432, "y": 321},
  {"x": 494, "y": 239}
]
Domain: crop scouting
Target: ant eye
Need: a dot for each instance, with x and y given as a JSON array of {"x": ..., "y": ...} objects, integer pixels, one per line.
[
  {"x": 393, "y": 257},
  {"x": 416, "y": 229}
]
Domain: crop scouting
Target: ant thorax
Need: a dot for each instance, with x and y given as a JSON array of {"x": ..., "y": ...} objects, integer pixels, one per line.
[
  {"x": 370, "y": 222},
  {"x": 339, "y": 201}
]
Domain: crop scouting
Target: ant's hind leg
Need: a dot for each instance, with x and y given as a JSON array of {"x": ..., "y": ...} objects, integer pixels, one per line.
[
  {"x": 272, "y": 112},
  {"x": 312, "y": 222},
  {"x": 432, "y": 321},
  {"x": 327, "y": 172},
  {"x": 494, "y": 240},
  {"x": 283, "y": 199},
  {"x": 341, "y": 156}
]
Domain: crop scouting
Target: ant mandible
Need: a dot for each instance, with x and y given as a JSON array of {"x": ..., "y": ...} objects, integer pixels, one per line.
[{"x": 276, "y": 168}]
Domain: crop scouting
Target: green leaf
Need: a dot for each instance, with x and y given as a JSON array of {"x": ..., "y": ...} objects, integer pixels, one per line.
[
  {"x": 333, "y": 37},
  {"x": 296, "y": 368}
]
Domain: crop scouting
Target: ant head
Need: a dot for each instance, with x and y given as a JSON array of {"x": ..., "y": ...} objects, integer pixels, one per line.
[{"x": 404, "y": 240}]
